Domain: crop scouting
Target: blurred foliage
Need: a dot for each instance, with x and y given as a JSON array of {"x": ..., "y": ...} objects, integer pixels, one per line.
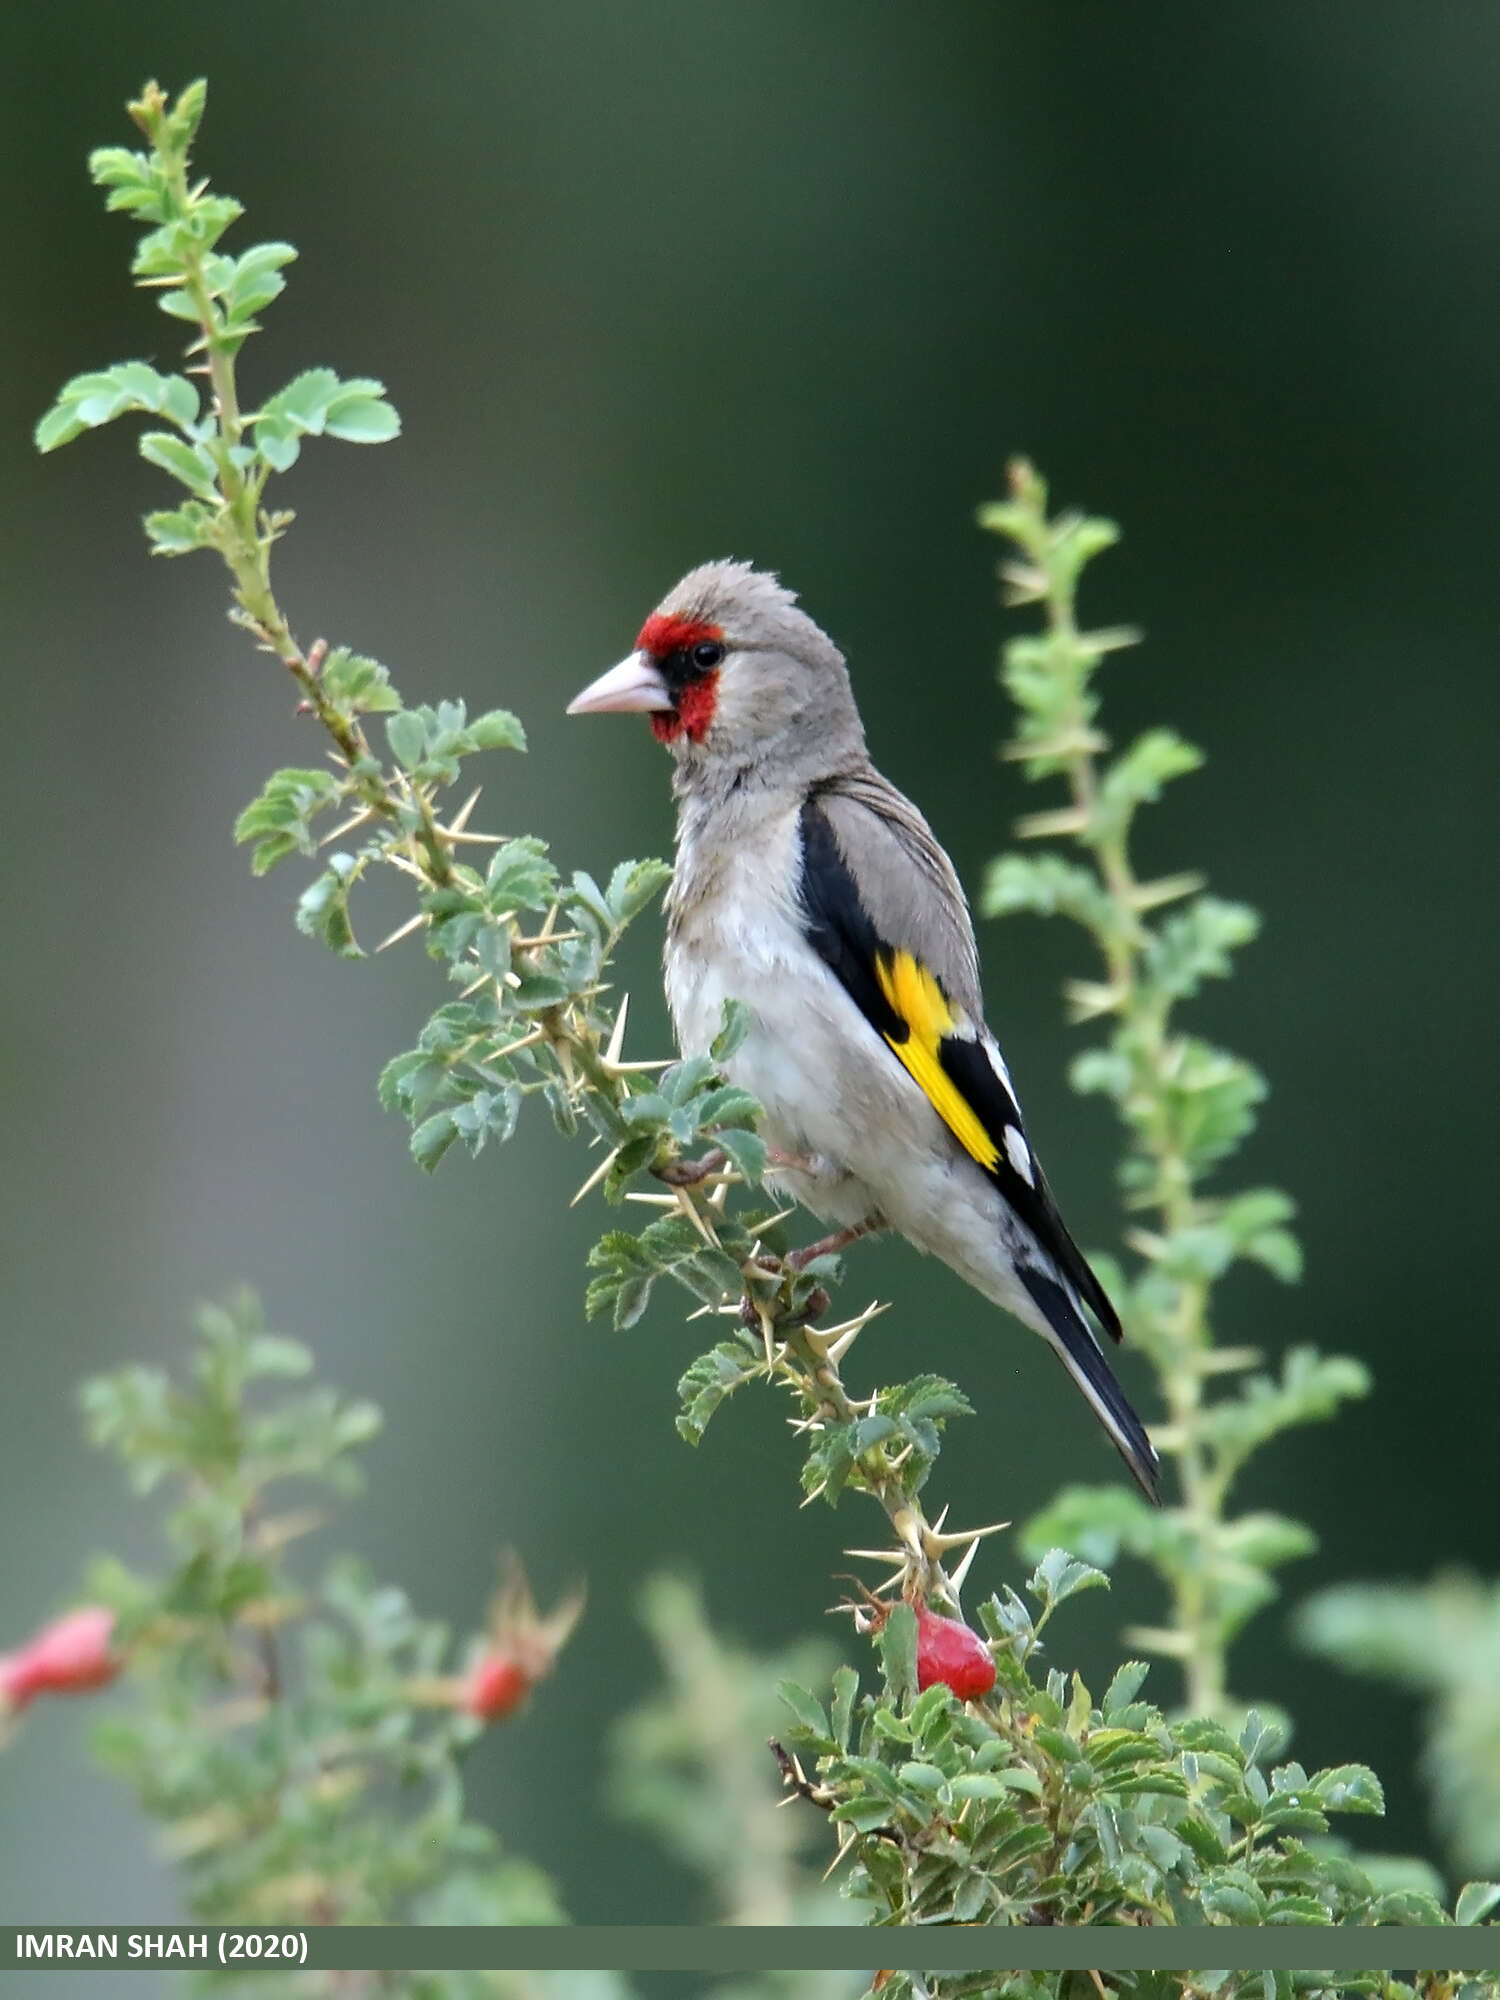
[
  {"x": 1185, "y": 1106},
  {"x": 298, "y": 1742},
  {"x": 1443, "y": 1640},
  {"x": 1181, "y": 1986},
  {"x": 690, "y": 1765}
]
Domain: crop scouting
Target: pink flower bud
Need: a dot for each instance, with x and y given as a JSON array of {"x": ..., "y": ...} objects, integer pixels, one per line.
[{"x": 69, "y": 1656}]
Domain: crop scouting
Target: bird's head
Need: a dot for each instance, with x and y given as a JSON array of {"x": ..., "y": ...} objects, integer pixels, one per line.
[{"x": 733, "y": 675}]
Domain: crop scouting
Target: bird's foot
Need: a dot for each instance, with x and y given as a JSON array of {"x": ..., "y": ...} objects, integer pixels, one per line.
[
  {"x": 813, "y": 1308},
  {"x": 688, "y": 1173},
  {"x": 828, "y": 1246}
]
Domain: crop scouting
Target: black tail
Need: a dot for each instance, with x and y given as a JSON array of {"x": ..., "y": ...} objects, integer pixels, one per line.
[{"x": 1080, "y": 1354}]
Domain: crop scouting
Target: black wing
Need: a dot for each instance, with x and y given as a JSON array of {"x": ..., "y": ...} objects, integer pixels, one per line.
[{"x": 905, "y": 1004}]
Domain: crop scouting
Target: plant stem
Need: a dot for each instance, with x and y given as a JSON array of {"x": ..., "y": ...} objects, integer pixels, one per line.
[
  {"x": 244, "y": 537},
  {"x": 1199, "y": 1630}
]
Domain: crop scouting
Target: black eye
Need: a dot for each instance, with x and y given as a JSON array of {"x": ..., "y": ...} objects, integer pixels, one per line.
[{"x": 707, "y": 653}]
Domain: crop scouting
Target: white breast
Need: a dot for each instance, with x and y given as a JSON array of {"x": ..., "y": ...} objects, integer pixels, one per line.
[
  {"x": 736, "y": 934},
  {"x": 833, "y": 1093},
  {"x": 828, "y": 1087}
]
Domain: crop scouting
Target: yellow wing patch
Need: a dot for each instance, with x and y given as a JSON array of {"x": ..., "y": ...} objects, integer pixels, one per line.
[{"x": 914, "y": 995}]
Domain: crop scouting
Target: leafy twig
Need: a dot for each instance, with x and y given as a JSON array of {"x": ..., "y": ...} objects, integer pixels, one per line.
[{"x": 1185, "y": 1105}]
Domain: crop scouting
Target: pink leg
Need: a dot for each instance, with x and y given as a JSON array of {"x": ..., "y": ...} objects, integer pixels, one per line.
[
  {"x": 688, "y": 1173},
  {"x": 826, "y": 1246}
]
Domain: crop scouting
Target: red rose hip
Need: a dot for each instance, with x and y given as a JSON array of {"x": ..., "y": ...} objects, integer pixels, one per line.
[
  {"x": 949, "y": 1652},
  {"x": 496, "y": 1687}
]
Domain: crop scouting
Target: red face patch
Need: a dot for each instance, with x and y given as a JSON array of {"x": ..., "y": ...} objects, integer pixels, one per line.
[
  {"x": 694, "y": 712},
  {"x": 661, "y": 636},
  {"x": 670, "y": 642}
]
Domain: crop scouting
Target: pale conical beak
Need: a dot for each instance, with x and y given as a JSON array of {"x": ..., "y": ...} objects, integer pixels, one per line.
[{"x": 634, "y": 685}]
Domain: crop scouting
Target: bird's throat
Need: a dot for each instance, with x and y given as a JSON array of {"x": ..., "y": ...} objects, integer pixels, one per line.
[{"x": 693, "y": 715}]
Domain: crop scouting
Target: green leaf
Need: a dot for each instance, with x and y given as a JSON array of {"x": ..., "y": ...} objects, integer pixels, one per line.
[
  {"x": 711, "y": 1378},
  {"x": 1279, "y": 1251},
  {"x": 115, "y": 167},
  {"x": 811, "y": 1719},
  {"x": 632, "y": 885},
  {"x": 165, "y": 252},
  {"x": 278, "y": 443},
  {"x": 358, "y": 413},
  {"x": 1475, "y": 1901},
  {"x": 1195, "y": 945},
  {"x": 1021, "y": 1845},
  {"x": 1265, "y": 1540},
  {"x": 1231, "y": 1896},
  {"x": 432, "y": 1138},
  {"x": 725, "y": 1106},
  {"x": 1097, "y": 1521},
  {"x": 520, "y": 877},
  {"x": 304, "y": 401},
  {"x": 496, "y": 729},
  {"x": 1107, "y": 1071},
  {"x": 871, "y": 1431},
  {"x": 323, "y": 908},
  {"x": 190, "y": 463},
  {"x": 736, "y": 1025},
  {"x": 631, "y": 1298},
  {"x": 1296, "y": 1910},
  {"x": 316, "y": 402},
  {"x": 357, "y": 685},
  {"x": 589, "y": 897},
  {"x": 1311, "y": 1388},
  {"x": 1260, "y": 1738},
  {"x": 1255, "y": 1223},
  {"x": 1022, "y": 1779},
  {"x": 180, "y": 530},
  {"x": 898, "y": 1654},
  {"x": 1059, "y": 1576},
  {"x": 746, "y": 1151},
  {"x": 1123, "y": 1689},
  {"x": 927, "y": 1396},
  {"x": 1204, "y": 1841},
  {"x": 1351, "y": 1788},
  {"x": 1406, "y": 1906},
  {"x": 1208, "y": 1103},
  {"x": 273, "y": 1354},
  {"x": 186, "y": 115},
  {"x": 97, "y": 398},
  {"x": 407, "y": 737},
  {"x": 845, "y": 1689},
  {"x": 1045, "y": 885},
  {"x": 255, "y": 280},
  {"x": 280, "y": 820},
  {"x": 1136, "y": 777}
]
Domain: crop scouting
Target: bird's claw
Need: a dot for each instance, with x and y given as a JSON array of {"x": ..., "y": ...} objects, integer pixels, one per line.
[
  {"x": 812, "y": 1308},
  {"x": 688, "y": 1173}
]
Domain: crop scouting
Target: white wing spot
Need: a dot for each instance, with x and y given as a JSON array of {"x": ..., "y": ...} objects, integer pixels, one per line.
[
  {"x": 997, "y": 1064},
  {"x": 1019, "y": 1154}
]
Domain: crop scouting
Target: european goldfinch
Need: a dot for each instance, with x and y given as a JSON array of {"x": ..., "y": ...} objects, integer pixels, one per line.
[{"x": 807, "y": 887}]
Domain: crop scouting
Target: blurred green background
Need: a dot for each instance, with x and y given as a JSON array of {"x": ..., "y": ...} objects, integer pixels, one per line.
[{"x": 666, "y": 282}]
